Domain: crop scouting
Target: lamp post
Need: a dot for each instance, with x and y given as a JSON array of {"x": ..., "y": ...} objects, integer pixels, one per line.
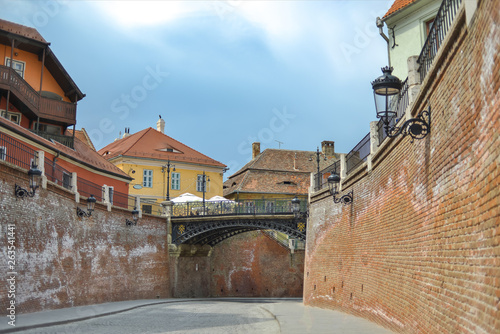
[
  {"x": 204, "y": 180},
  {"x": 168, "y": 177},
  {"x": 333, "y": 181},
  {"x": 318, "y": 179},
  {"x": 34, "y": 178},
  {"x": 386, "y": 90},
  {"x": 90, "y": 208}
]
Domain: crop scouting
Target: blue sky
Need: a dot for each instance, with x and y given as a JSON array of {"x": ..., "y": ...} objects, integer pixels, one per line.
[{"x": 222, "y": 74}]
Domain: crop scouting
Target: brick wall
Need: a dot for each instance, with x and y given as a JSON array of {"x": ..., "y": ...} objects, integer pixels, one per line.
[
  {"x": 246, "y": 265},
  {"x": 418, "y": 251},
  {"x": 63, "y": 260}
]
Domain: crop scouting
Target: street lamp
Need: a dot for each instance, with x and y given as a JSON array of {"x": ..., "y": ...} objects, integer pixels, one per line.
[
  {"x": 318, "y": 179},
  {"x": 333, "y": 181},
  {"x": 34, "y": 175},
  {"x": 135, "y": 218},
  {"x": 386, "y": 89},
  {"x": 90, "y": 207},
  {"x": 204, "y": 180},
  {"x": 168, "y": 177}
]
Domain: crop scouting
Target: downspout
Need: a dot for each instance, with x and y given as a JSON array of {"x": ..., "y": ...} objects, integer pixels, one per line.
[
  {"x": 380, "y": 26},
  {"x": 40, "y": 92}
]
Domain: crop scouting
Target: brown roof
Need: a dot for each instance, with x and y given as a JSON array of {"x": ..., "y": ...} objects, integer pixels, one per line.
[
  {"x": 277, "y": 172},
  {"x": 21, "y": 30},
  {"x": 398, "y": 5},
  {"x": 82, "y": 136},
  {"x": 33, "y": 42},
  {"x": 81, "y": 153},
  {"x": 152, "y": 144}
]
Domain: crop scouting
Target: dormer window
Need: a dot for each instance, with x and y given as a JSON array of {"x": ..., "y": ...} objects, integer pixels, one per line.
[{"x": 288, "y": 183}]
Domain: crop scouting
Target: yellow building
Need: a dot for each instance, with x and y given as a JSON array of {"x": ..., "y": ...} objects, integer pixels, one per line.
[{"x": 145, "y": 156}]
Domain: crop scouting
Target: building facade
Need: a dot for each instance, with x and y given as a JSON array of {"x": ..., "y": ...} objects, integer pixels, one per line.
[{"x": 146, "y": 156}]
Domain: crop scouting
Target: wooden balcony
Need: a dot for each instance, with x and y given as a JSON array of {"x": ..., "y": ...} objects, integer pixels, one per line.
[{"x": 45, "y": 108}]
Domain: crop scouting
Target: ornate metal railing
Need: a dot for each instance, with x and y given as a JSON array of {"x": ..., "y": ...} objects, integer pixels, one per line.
[
  {"x": 58, "y": 174},
  {"x": 245, "y": 207},
  {"x": 444, "y": 18},
  {"x": 358, "y": 154}
]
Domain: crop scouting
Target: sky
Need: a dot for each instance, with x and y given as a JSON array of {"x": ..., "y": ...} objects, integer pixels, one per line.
[{"x": 222, "y": 74}]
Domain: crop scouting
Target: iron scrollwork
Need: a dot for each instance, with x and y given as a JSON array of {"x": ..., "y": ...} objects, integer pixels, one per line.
[{"x": 416, "y": 128}]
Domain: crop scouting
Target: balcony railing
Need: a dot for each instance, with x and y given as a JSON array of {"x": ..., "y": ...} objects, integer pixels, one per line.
[
  {"x": 444, "y": 18},
  {"x": 65, "y": 140},
  {"x": 42, "y": 107}
]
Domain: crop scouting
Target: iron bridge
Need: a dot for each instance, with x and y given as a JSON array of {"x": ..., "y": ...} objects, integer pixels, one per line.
[{"x": 198, "y": 223}]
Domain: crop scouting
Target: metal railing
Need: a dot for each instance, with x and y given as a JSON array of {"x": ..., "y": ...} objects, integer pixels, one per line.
[
  {"x": 244, "y": 207},
  {"x": 323, "y": 175},
  {"x": 65, "y": 140},
  {"x": 87, "y": 188},
  {"x": 124, "y": 201},
  {"x": 58, "y": 174},
  {"x": 15, "y": 152},
  {"x": 444, "y": 18},
  {"x": 358, "y": 154}
]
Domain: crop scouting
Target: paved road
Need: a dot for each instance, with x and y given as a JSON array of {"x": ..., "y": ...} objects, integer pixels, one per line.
[{"x": 218, "y": 316}]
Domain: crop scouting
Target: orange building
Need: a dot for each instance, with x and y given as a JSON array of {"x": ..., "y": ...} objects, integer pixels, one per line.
[{"x": 38, "y": 101}]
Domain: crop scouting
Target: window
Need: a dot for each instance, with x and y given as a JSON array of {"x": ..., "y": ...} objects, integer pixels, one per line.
[
  {"x": 146, "y": 208},
  {"x": 199, "y": 183},
  {"x": 428, "y": 26},
  {"x": 3, "y": 152},
  {"x": 66, "y": 178},
  {"x": 12, "y": 116},
  {"x": 17, "y": 65},
  {"x": 176, "y": 181},
  {"x": 147, "y": 179}
]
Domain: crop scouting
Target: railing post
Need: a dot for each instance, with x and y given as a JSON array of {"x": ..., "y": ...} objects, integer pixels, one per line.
[
  {"x": 40, "y": 161},
  {"x": 374, "y": 143},
  {"x": 343, "y": 169},
  {"x": 105, "y": 197},
  {"x": 138, "y": 205},
  {"x": 74, "y": 186}
]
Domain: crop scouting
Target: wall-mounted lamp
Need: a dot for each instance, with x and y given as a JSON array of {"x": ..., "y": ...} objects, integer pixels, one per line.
[
  {"x": 333, "y": 181},
  {"x": 90, "y": 207},
  {"x": 386, "y": 89},
  {"x": 35, "y": 175},
  {"x": 135, "y": 218}
]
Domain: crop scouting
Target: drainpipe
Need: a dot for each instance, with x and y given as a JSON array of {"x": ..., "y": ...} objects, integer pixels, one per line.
[{"x": 380, "y": 26}]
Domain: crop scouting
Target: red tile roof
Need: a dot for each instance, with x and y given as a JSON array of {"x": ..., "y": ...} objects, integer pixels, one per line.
[
  {"x": 398, "y": 5},
  {"x": 152, "y": 144},
  {"x": 81, "y": 153},
  {"x": 21, "y": 30},
  {"x": 81, "y": 135},
  {"x": 276, "y": 172}
]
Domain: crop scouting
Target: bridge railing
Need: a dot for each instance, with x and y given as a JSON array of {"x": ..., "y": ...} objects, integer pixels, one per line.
[{"x": 244, "y": 207}]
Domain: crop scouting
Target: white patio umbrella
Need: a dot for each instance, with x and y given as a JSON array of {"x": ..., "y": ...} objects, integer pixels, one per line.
[
  {"x": 219, "y": 199},
  {"x": 186, "y": 197}
]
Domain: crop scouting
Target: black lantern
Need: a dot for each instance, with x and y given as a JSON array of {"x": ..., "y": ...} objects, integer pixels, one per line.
[
  {"x": 386, "y": 90},
  {"x": 135, "y": 218},
  {"x": 35, "y": 176},
  {"x": 90, "y": 207},
  {"x": 333, "y": 182}
]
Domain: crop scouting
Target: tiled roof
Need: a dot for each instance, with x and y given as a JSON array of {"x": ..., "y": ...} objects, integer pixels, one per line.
[
  {"x": 21, "y": 30},
  {"x": 81, "y": 135},
  {"x": 152, "y": 144},
  {"x": 81, "y": 153},
  {"x": 276, "y": 172},
  {"x": 398, "y": 5}
]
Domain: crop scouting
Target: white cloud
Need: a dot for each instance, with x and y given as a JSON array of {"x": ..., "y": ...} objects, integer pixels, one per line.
[{"x": 147, "y": 13}]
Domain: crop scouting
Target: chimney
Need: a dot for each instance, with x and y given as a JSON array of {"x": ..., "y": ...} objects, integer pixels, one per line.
[
  {"x": 328, "y": 148},
  {"x": 126, "y": 133},
  {"x": 160, "y": 125},
  {"x": 255, "y": 149}
]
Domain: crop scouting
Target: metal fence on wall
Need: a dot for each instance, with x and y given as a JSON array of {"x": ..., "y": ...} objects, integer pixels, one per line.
[
  {"x": 358, "y": 154},
  {"x": 15, "y": 152}
]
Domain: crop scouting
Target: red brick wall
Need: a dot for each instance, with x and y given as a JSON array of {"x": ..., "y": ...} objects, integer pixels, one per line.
[
  {"x": 246, "y": 265},
  {"x": 419, "y": 249},
  {"x": 63, "y": 260}
]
